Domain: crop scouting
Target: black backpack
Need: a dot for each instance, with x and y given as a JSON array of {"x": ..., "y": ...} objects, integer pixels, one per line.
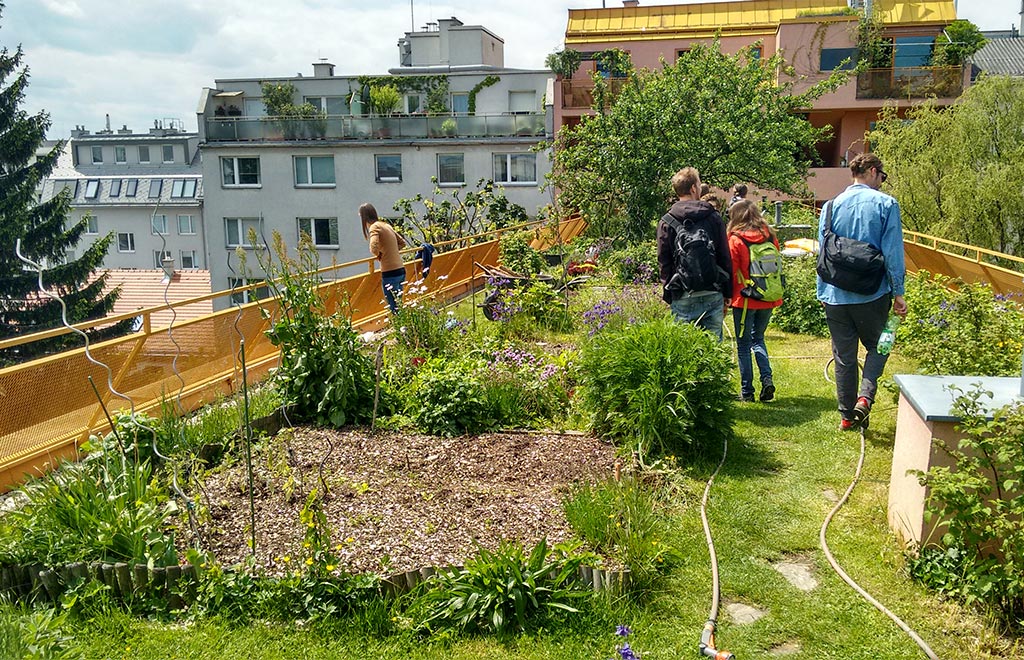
[{"x": 696, "y": 268}]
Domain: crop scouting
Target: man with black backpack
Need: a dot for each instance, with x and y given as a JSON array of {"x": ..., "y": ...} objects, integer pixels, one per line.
[
  {"x": 693, "y": 256},
  {"x": 860, "y": 277}
]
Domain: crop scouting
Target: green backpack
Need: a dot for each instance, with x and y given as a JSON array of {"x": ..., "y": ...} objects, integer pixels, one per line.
[{"x": 765, "y": 281}]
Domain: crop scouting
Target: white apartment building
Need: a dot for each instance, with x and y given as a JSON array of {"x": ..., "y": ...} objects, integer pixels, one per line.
[
  {"x": 145, "y": 188},
  {"x": 311, "y": 175}
]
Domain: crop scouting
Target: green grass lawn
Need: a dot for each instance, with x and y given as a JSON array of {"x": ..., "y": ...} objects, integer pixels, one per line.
[{"x": 785, "y": 468}]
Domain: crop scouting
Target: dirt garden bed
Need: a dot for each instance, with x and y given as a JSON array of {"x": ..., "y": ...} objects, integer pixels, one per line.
[{"x": 398, "y": 502}]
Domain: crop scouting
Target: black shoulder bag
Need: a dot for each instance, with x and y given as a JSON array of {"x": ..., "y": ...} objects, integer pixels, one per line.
[{"x": 847, "y": 263}]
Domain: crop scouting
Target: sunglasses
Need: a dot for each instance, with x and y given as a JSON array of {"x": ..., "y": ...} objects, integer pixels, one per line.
[{"x": 883, "y": 175}]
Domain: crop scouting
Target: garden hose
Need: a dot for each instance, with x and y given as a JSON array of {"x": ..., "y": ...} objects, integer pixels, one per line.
[
  {"x": 839, "y": 570},
  {"x": 707, "y": 636}
]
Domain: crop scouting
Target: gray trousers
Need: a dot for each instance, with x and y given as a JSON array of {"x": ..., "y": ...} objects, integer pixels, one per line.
[{"x": 848, "y": 325}]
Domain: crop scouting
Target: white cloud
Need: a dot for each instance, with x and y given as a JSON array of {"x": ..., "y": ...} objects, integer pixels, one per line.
[{"x": 67, "y": 8}]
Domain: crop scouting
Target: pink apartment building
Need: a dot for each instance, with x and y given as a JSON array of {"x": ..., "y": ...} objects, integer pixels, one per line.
[{"x": 814, "y": 36}]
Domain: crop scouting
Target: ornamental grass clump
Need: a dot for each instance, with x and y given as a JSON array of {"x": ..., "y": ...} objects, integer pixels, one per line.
[{"x": 662, "y": 385}]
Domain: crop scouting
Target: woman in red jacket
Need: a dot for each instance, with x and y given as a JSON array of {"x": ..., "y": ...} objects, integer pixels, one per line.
[{"x": 750, "y": 316}]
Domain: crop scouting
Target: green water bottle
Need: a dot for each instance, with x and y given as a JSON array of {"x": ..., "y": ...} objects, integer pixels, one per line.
[{"x": 888, "y": 336}]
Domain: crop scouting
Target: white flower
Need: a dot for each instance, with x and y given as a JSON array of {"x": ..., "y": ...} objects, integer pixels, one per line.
[
  {"x": 442, "y": 277},
  {"x": 451, "y": 313},
  {"x": 402, "y": 329}
]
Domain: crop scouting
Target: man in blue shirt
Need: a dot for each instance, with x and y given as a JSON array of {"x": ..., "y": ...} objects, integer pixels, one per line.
[{"x": 863, "y": 213}]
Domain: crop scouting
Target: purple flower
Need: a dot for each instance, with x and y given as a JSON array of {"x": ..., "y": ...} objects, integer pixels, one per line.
[
  {"x": 627, "y": 653},
  {"x": 623, "y": 631}
]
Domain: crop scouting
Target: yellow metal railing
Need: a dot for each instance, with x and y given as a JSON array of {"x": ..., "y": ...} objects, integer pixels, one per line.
[
  {"x": 967, "y": 262},
  {"x": 48, "y": 408}
]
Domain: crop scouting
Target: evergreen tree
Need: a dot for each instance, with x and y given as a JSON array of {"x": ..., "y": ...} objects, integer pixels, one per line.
[{"x": 45, "y": 238}]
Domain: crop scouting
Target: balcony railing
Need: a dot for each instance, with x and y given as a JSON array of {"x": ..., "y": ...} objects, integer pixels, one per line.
[
  {"x": 579, "y": 94},
  {"x": 233, "y": 129},
  {"x": 910, "y": 82}
]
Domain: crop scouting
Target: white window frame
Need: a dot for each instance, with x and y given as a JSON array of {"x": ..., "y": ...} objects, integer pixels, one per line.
[
  {"x": 306, "y": 163},
  {"x": 163, "y": 152},
  {"x": 508, "y": 168},
  {"x": 183, "y": 188},
  {"x": 191, "y": 225},
  {"x": 242, "y": 226},
  {"x": 92, "y": 227},
  {"x": 121, "y": 155},
  {"x": 234, "y": 160},
  {"x": 191, "y": 258},
  {"x": 129, "y": 240},
  {"x": 309, "y": 226},
  {"x": 158, "y": 224},
  {"x": 321, "y": 103},
  {"x": 460, "y": 95},
  {"x": 452, "y": 184},
  {"x": 97, "y": 155},
  {"x": 386, "y": 179},
  {"x": 158, "y": 257},
  {"x": 143, "y": 148}
]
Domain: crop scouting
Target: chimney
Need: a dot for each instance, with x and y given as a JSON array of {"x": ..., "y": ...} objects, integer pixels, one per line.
[
  {"x": 124, "y": 130},
  {"x": 168, "y": 266},
  {"x": 323, "y": 69},
  {"x": 630, "y": 3}
]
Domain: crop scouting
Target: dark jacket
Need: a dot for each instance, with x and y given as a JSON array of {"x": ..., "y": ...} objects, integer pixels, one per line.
[{"x": 701, "y": 213}]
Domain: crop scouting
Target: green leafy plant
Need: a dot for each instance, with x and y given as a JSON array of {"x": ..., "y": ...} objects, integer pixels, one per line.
[
  {"x": 35, "y": 634},
  {"x": 635, "y": 264},
  {"x": 448, "y": 214},
  {"x": 963, "y": 331},
  {"x": 624, "y": 520},
  {"x": 447, "y": 397},
  {"x": 421, "y": 325},
  {"x": 516, "y": 254},
  {"x": 800, "y": 311},
  {"x": 564, "y": 63},
  {"x": 505, "y": 591},
  {"x": 323, "y": 372},
  {"x": 662, "y": 385},
  {"x": 956, "y": 43},
  {"x": 979, "y": 503},
  {"x": 385, "y": 99}
]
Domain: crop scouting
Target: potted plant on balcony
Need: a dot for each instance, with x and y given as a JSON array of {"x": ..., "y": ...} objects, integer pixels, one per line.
[
  {"x": 448, "y": 127},
  {"x": 385, "y": 100}
]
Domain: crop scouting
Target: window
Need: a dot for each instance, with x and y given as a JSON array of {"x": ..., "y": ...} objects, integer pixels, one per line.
[
  {"x": 185, "y": 226},
  {"x": 188, "y": 260},
  {"x": 451, "y": 169},
  {"x": 155, "y": 186},
  {"x": 522, "y": 102},
  {"x": 913, "y": 52},
  {"x": 97, "y": 155},
  {"x": 159, "y": 224},
  {"x": 329, "y": 105},
  {"x": 143, "y": 154},
  {"x": 240, "y": 171},
  {"x": 236, "y": 230},
  {"x": 159, "y": 256},
  {"x": 71, "y": 185},
  {"x": 413, "y": 103},
  {"x": 831, "y": 58},
  {"x": 183, "y": 188},
  {"x": 115, "y": 188},
  {"x": 129, "y": 190},
  {"x": 242, "y": 297},
  {"x": 92, "y": 225},
  {"x": 125, "y": 242},
  {"x": 460, "y": 103},
  {"x": 168, "y": 153},
  {"x": 515, "y": 168},
  {"x": 120, "y": 155},
  {"x": 314, "y": 170},
  {"x": 681, "y": 52},
  {"x": 389, "y": 168},
  {"x": 756, "y": 52},
  {"x": 323, "y": 231},
  {"x": 92, "y": 189},
  {"x": 254, "y": 108}
]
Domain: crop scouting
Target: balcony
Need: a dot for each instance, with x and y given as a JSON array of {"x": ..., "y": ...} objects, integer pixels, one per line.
[
  {"x": 579, "y": 94},
  {"x": 233, "y": 129},
  {"x": 911, "y": 82}
]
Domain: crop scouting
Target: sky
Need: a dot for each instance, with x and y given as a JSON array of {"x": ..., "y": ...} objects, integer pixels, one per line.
[{"x": 146, "y": 60}]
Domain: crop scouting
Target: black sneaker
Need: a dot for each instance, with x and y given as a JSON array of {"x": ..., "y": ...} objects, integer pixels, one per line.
[
  {"x": 861, "y": 411},
  {"x": 768, "y": 392},
  {"x": 745, "y": 398}
]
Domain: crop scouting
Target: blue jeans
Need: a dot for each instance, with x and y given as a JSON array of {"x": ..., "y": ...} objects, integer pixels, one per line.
[
  {"x": 707, "y": 312},
  {"x": 392, "y": 285},
  {"x": 750, "y": 338}
]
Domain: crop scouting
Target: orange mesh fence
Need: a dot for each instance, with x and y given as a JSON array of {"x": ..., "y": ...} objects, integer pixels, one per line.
[{"x": 48, "y": 408}]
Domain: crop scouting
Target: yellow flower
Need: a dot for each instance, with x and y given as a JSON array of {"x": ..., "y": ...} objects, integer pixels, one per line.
[
  {"x": 349, "y": 540},
  {"x": 306, "y": 544},
  {"x": 309, "y": 562},
  {"x": 286, "y": 559},
  {"x": 330, "y": 567},
  {"x": 338, "y": 547}
]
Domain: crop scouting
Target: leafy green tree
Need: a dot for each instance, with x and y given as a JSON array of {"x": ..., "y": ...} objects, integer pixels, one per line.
[
  {"x": 42, "y": 228},
  {"x": 450, "y": 215},
  {"x": 958, "y": 172},
  {"x": 958, "y": 41},
  {"x": 733, "y": 117}
]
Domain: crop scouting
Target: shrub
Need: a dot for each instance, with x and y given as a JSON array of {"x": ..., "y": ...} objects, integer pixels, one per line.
[
  {"x": 964, "y": 332},
  {"x": 636, "y": 264},
  {"x": 800, "y": 311},
  {"x": 516, "y": 254},
  {"x": 504, "y": 591},
  {"x": 628, "y": 305},
  {"x": 521, "y": 310},
  {"x": 323, "y": 373},
  {"x": 622, "y": 519},
  {"x": 661, "y": 384},
  {"x": 524, "y": 388},
  {"x": 447, "y": 397},
  {"x": 100, "y": 510},
  {"x": 980, "y": 503}
]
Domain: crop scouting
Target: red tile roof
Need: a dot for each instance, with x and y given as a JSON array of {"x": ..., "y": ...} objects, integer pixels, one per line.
[{"x": 142, "y": 289}]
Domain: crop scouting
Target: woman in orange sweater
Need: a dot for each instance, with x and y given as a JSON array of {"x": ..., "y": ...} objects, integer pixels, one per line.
[
  {"x": 750, "y": 316},
  {"x": 385, "y": 244}
]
